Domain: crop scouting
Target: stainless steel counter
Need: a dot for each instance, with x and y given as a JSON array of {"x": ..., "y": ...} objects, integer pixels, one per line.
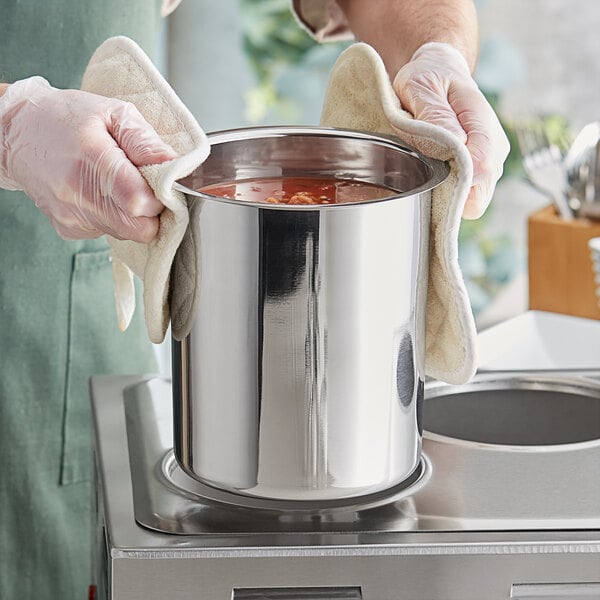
[{"x": 481, "y": 520}]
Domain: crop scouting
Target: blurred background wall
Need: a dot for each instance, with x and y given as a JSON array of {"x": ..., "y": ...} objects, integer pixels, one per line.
[
  {"x": 539, "y": 60},
  {"x": 553, "y": 47}
]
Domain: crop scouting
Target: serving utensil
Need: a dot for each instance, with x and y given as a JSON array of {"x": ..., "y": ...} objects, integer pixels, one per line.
[
  {"x": 583, "y": 172},
  {"x": 543, "y": 163},
  {"x": 594, "y": 246}
]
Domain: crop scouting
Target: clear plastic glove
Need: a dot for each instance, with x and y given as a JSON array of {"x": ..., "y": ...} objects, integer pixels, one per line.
[
  {"x": 436, "y": 86},
  {"x": 76, "y": 155}
]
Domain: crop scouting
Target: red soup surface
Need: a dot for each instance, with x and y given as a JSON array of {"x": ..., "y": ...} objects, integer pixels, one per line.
[{"x": 299, "y": 190}]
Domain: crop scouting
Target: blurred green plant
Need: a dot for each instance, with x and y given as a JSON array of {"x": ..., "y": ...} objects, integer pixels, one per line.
[
  {"x": 290, "y": 67},
  {"x": 490, "y": 261},
  {"x": 555, "y": 127},
  {"x": 272, "y": 37}
]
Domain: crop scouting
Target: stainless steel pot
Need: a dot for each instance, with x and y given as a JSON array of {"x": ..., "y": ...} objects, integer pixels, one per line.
[{"x": 302, "y": 375}]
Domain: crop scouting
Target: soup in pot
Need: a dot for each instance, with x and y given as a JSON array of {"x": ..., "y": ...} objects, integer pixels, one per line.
[{"x": 299, "y": 190}]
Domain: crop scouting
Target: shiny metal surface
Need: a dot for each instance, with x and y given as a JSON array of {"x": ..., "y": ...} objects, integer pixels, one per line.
[
  {"x": 175, "y": 477},
  {"x": 518, "y": 409},
  {"x": 555, "y": 591},
  {"x": 463, "y": 486},
  {"x": 543, "y": 164},
  {"x": 582, "y": 163},
  {"x": 457, "y": 557},
  {"x": 301, "y": 377}
]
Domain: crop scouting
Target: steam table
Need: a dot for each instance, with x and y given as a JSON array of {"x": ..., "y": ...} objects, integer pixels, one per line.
[{"x": 478, "y": 520}]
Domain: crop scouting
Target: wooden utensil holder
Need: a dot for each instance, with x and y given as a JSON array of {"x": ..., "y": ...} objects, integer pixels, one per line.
[{"x": 561, "y": 276}]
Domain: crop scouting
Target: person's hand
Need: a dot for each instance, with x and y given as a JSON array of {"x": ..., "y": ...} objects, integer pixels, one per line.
[
  {"x": 76, "y": 155},
  {"x": 436, "y": 86}
]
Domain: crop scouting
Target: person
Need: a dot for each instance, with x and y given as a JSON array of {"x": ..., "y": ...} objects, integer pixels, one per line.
[
  {"x": 74, "y": 156},
  {"x": 68, "y": 175}
]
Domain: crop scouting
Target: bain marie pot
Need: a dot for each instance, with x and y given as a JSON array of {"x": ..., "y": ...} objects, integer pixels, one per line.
[{"x": 302, "y": 374}]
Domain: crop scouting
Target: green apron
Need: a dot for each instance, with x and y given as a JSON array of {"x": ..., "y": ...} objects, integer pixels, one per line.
[{"x": 57, "y": 323}]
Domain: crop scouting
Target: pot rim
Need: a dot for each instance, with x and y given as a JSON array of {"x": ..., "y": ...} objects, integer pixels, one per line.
[{"x": 438, "y": 170}]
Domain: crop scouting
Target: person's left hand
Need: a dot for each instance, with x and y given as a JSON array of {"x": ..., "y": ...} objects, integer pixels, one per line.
[{"x": 436, "y": 86}]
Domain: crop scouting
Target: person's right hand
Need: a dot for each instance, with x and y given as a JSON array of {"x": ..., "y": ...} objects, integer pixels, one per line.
[
  {"x": 436, "y": 86},
  {"x": 76, "y": 155}
]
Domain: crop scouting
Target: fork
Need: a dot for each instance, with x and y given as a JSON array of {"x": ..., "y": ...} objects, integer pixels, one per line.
[{"x": 543, "y": 164}]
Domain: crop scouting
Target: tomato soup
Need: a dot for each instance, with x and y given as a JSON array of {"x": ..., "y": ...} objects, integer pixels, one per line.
[{"x": 299, "y": 190}]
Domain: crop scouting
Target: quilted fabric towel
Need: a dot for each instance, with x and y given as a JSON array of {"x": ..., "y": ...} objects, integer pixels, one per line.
[
  {"x": 360, "y": 96},
  {"x": 120, "y": 69}
]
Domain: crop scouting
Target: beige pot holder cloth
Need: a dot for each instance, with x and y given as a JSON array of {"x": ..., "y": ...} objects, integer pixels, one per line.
[
  {"x": 120, "y": 69},
  {"x": 360, "y": 96}
]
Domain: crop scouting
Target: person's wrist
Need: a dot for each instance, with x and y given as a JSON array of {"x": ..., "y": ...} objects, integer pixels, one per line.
[
  {"x": 11, "y": 98},
  {"x": 6, "y": 182},
  {"x": 443, "y": 52}
]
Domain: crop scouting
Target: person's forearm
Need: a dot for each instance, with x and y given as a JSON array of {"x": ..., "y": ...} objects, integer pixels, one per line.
[
  {"x": 397, "y": 28},
  {"x": 3, "y": 88}
]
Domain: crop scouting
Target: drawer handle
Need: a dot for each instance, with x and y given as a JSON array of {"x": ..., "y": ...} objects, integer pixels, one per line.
[
  {"x": 298, "y": 593},
  {"x": 555, "y": 591}
]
